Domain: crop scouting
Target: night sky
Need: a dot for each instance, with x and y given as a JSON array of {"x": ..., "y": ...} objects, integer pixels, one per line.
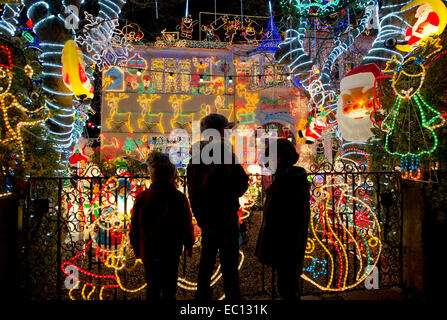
[{"x": 170, "y": 12}]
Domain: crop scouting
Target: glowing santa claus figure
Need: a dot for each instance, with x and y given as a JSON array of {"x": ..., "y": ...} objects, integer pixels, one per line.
[
  {"x": 314, "y": 131},
  {"x": 427, "y": 23},
  {"x": 356, "y": 102}
]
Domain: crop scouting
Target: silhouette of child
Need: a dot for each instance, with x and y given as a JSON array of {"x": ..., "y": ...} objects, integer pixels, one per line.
[{"x": 160, "y": 226}]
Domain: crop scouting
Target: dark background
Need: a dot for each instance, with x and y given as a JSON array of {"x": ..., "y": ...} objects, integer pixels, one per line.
[{"x": 170, "y": 12}]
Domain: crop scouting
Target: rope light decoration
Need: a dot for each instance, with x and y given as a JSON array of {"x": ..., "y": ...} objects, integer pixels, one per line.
[
  {"x": 104, "y": 213},
  {"x": 327, "y": 262},
  {"x": 320, "y": 8},
  {"x": 15, "y": 116},
  {"x": 410, "y": 107}
]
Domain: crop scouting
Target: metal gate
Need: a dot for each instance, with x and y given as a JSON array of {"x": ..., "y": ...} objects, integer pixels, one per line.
[{"x": 66, "y": 236}]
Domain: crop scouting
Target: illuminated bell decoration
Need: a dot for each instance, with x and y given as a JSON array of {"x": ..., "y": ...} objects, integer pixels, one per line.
[
  {"x": 356, "y": 102},
  {"x": 73, "y": 72}
]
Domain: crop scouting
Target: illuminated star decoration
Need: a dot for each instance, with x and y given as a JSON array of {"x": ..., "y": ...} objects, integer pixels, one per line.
[{"x": 318, "y": 267}]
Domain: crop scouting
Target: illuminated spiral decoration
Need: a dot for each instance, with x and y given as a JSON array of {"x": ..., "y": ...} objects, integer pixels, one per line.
[{"x": 343, "y": 242}]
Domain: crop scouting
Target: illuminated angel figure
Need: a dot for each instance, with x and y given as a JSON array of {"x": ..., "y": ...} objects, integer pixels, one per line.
[
  {"x": 13, "y": 114},
  {"x": 186, "y": 27},
  {"x": 411, "y": 118}
]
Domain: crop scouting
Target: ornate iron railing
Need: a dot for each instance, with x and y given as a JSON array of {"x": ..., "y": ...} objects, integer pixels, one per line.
[{"x": 76, "y": 246}]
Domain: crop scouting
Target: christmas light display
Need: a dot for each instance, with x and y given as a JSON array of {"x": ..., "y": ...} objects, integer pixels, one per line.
[
  {"x": 346, "y": 152},
  {"x": 32, "y": 41},
  {"x": 186, "y": 27},
  {"x": 181, "y": 119},
  {"x": 8, "y": 21},
  {"x": 408, "y": 79},
  {"x": 73, "y": 71},
  {"x": 356, "y": 102},
  {"x": 431, "y": 20},
  {"x": 271, "y": 39},
  {"x": 61, "y": 125},
  {"x": 167, "y": 38},
  {"x": 114, "y": 119},
  {"x": 391, "y": 26},
  {"x": 320, "y": 8},
  {"x": 14, "y": 116},
  {"x": 106, "y": 44},
  {"x": 210, "y": 30},
  {"x": 319, "y": 109},
  {"x": 149, "y": 118},
  {"x": 113, "y": 79},
  {"x": 336, "y": 217},
  {"x": 105, "y": 217},
  {"x": 231, "y": 28},
  {"x": 51, "y": 28},
  {"x": 300, "y": 62},
  {"x": 298, "y": 57},
  {"x": 132, "y": 33},
  {"x": 314, "y": 130}
]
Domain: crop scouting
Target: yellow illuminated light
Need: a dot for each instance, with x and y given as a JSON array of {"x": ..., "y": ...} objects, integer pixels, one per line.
[
  {"x": 180, "y": 119},
  {"x": 113, "y": 103},
  {"x": 73, "y": 288},
  {"x": 373, "y": 240},
  {"x": 90, "y": 293},
  {"x": 107, "y": 218},
  {"x": 149, "y": 118},
  {"x": 423, "y": 28},
  {"x": 6, "y": 194},
  {"x": 9, "y": 102},
  {"x": 73, "y": 71}
]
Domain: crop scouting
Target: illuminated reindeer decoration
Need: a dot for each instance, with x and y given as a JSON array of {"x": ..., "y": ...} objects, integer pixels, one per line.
[
  {"x": 153, "y": 118},
  {"x": 245, "y": 113},
  {"x": 113, "y": 103},
  {"x": 180, "y": 118}
]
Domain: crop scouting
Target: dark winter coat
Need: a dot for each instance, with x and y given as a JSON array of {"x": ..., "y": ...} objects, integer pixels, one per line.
[
  {"x": 161, "y": 222},
  {"x": 214, "y": 192},
  {"x": 283, "y": 234}
]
